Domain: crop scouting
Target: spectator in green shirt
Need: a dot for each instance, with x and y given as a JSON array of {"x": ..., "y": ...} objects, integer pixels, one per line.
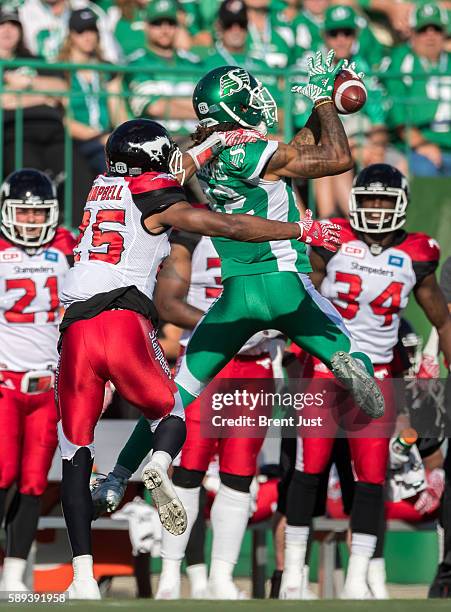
[
  {"x": 230, "y": 48},
  {"x": 270, "y": 39},
  {"x": 89, "y": 119},
  {"x": 155, "y": 91},
  {"x": 419, "y": 81}
]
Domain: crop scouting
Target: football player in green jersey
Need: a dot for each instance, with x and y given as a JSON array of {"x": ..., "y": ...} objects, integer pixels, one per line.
[{"x": 267, "y": 286}]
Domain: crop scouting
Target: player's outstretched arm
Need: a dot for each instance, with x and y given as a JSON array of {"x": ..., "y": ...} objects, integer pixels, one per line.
[
  {"x": 244, "y": 228},
  {"x": 173, "y": 283},
  {"x": 431, "y": 299},
  {"x": 331, "y": 156}
]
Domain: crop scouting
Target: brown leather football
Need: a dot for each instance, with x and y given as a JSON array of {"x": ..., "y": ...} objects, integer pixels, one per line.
[{"x": 349, "y": 94}]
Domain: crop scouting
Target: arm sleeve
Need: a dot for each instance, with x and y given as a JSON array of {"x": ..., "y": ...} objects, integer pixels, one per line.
[
  {"x": 445, "y": 280},
  {"x": 187, "y": 239},
  {"x": 153, "y": 192}
]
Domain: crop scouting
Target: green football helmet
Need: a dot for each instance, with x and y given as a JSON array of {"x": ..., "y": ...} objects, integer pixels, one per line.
[{"x": 230, "y": 93}]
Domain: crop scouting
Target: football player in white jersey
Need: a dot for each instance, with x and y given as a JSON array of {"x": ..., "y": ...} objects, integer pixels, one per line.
[
  {"x": 188, "y": 284},
  {"x": 369, "y": 281},
  {"x": 35, "y": 256},
  {"x": 107, "y": 333}
]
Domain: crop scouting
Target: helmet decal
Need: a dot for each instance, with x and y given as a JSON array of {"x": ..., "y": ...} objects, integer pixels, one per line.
[
  {"x": 233, "y": 82},
  {"x": 153, "y": 148}
]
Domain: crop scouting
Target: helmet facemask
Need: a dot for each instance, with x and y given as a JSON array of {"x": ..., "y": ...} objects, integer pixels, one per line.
[
  {"x": 24, "y": 233},
  {"x": 390, "y": 219},
  {"x": 176, "y": 164},
  {"x": 263, "y": 109}
]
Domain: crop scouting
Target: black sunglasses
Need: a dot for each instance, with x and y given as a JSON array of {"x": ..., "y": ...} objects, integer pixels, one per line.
[
  {"x": 434, "y": 26},
  {"x": 159, "y": 22},
  {"x": 345, "y": 31}
]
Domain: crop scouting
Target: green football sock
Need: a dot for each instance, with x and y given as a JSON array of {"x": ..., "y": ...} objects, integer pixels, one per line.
[{"x": 137, "y": 446}]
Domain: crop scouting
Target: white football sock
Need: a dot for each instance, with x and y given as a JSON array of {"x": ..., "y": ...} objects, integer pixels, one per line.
[
  {"x": 13, "y": 569},
  {"x": 83, "y": 567},
  {"x": 295, "y": 548},
  {"x": 163, "y": 459},
  {"x": 229, "y": 517},
  {"x": 174, "y": 546}
]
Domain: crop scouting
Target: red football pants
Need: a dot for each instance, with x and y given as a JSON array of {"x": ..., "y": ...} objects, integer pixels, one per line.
[
  {"x": 237, "y": 456},
  {"x": 28, "y": 436},
  {"x": 369, "y": 454},
  {"x": 116, "y": 345}
]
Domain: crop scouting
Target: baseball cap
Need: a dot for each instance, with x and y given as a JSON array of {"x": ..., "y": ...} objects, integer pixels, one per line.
[
  {"x": 161, "y": 9},
  {"x": 82, "y": 20},
  {"x": 340, "y": 16},
  {"x": 429, "y": 14},
  {"x": 231, "y": 12},
  {"x": 9, "y": 15}
]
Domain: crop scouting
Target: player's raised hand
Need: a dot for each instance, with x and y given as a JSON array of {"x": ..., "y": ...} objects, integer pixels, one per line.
[
  {"x": 351, "y": 67},
  {"x": 317, "y": 233},
  {"x": 321, "y": 77}
]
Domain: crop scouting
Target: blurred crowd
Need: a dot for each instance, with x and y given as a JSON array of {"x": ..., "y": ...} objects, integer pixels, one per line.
[{"x": 402, "y": 47}]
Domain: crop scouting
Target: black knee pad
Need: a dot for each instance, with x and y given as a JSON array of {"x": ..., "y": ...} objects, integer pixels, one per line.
[
  {"x": 367, "y": 508},
  {"x": 187, "y": 479},
  {"x": 238, "y": 483}
]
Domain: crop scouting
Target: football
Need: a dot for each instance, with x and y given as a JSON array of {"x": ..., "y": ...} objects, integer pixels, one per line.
[{"x": 349, "y": 94}]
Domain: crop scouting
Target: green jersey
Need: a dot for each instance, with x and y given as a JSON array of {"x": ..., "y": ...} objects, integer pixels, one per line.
[
  {"x": 157, "y": 81},
  {"x": 418, "y": 98},
  {"x": 233, "y": 185},
  {"x": 89, "y": 100}
]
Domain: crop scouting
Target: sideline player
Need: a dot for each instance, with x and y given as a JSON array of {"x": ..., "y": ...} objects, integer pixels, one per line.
[
  {"x": 369, "y": 281},
  {"x": 107, "y": 333},
  {"x": 35, "y": 256}
]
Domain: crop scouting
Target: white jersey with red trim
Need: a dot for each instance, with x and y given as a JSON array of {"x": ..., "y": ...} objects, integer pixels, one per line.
[
  {"x": 114, "y": 249},
  {"x": 369, "y": 290},
  {"x": 206, "y": 287},
  {"x": 30, "y": 308}
]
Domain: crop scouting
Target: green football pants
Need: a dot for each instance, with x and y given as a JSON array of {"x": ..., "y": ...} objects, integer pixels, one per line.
[{"x": 285, "y": 301}]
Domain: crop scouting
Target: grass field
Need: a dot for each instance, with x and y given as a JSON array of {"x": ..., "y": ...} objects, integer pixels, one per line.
[{"x": 266, "y": 605}]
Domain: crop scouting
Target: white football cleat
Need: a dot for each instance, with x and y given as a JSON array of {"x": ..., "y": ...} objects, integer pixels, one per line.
[
  {"x": 306, "y": 592},
  {"x": 170, "y": 509},
  {"x": 84, "y": 588},
  {"x": 354, "y": 377},
  {"x": 225, "y": 589},
  {"x": 377, "y": 579},
  {"x": 291, "y": 585},
  {"x": 12, "y": 576},
  {"x": 356, "y": 590},
  {"x": 9, "y": 586},
  {"x": 198, "y": 580},
  {"x": 168, "y": 587},
  {"x": 107, "y": 493}
]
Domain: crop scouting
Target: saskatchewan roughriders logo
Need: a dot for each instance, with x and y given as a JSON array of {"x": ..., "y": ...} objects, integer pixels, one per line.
[{"x": 233, "y": 81}]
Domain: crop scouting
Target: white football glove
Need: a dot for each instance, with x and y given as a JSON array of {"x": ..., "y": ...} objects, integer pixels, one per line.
[{"x": 321, "y": 77}]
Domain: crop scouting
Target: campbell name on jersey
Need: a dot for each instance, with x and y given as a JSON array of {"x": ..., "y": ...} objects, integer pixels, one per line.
[
  {"x": 30, "y": 284},
  {"x": 234, "y": 185},
  {"x": 114, "y": 248},
  {"x": 371, "y": 290},
  {"x": 206, "y": 286}
]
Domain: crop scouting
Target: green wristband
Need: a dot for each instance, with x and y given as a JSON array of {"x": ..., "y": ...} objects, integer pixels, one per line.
[{"x": 365, "y": 4}]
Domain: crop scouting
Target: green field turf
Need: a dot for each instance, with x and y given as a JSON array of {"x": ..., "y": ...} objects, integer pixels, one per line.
[{"x": 395, "y": 605}]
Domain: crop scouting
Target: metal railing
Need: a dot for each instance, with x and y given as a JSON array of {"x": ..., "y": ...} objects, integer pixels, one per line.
[{"x": 285, "y": 81}]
